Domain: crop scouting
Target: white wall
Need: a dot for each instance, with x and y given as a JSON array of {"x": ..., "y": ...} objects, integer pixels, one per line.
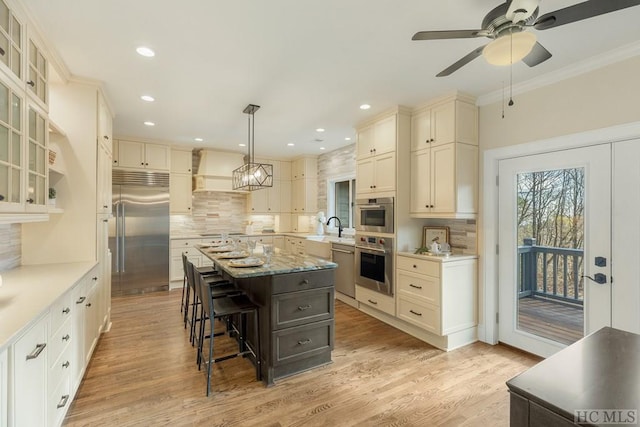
[{"x": 598, "y": 99}]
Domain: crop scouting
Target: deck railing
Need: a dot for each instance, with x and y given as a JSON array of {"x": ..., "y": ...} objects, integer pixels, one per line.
[{"x": 550, "y": 272}]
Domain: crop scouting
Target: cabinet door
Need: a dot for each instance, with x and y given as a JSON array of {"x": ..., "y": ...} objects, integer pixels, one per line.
[
  {"x": 37, "y": 162},
  {"x": 37, "y": 79},
  {"x": 4, "y": 374},
  {"x": 299, "y": 194},
  {"x": 180, "y": 198},
  {"x": 11, "y": 151},
  {"x": 385, "y": 173},
  {"x": 421, "y": 181},
  {"x": 310, "y": 200},
  {"x": 364, "y": 145},
  {"x": 78, "y": 319},
  {"x": 385, "y": 136},
  {"x": 443, "y": 183},
  {"x": 259, "y": 201},
  {"x": 104, "y": 124},
  {"x": 104, "y": 187},
  {"x": 157, "y": 156},
  {"x": 130, "y": 154},
  {"x": 91, "y": 319},
  {"x": 273, "y": 197},
  {"x": 285, "y": 196},
  {"x": 421, "y": 130},
  {"x": 181, "y": 161},
  {"x": 365, "y": 176},
  {"x": 29, "y": 393},
  {"x": 285, "y": 170},
  {"x": 443, "y": 117}
]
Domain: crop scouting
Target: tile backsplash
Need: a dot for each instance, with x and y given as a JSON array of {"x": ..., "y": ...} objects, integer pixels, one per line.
[
  {"x": 10, "y": 248},
  {"x": 336, "y": 163},
  {"x": 462, "y": 233}
]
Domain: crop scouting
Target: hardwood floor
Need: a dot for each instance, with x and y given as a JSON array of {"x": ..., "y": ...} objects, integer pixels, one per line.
[{"x": 143, "y": 373}]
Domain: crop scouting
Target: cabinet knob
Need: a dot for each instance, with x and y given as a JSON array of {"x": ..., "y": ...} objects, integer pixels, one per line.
[
  {"x": 115, "y": 162},
  {"x": 415, "y": 266},
  {"x": 30, "y": 200},
  {"x": 146, "y": 164},
  {"x": 88, "y": 304},
  {"x": 431, "y": 140},
  {"x": 66, "y": 337},
  {"x": 66, "y": 310},
  {"x": 142, "y": 164},
  {"x": 66, "y": 364},
  {"x": 106, "y": 137},
  {"x": 94, "y": 278},
  {"x": 31, "y": 83}
]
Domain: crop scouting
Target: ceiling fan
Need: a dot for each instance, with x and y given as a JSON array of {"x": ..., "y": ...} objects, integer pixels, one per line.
[{"x": 508, "y": 26}]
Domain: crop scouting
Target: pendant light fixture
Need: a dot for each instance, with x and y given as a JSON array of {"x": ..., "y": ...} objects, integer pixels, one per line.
[{"x": 252, "y": 176}]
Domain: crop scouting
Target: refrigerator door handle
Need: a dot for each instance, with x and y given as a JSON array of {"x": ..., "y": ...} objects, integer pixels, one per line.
[
  {"x": 124, "y": 236},
  {"x": 117, "y": 219}
]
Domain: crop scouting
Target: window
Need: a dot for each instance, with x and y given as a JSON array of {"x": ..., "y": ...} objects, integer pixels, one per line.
[{"x": 341, "y": 193}]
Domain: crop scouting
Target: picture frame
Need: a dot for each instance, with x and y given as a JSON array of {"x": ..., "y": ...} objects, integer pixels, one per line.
[{"x": 429, "y": 233}]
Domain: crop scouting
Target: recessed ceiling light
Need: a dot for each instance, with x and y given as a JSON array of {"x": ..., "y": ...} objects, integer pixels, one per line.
[
  {"x": 347, "y": 139},
  {"x": 322, "y": 148},
  {"x": 145, "y": 51},
  {"x": 198, "y": 139},
  {"x": 320, "y": 130},
  {"x": 242, "y": 145},
  {"x": 291, "y": 144},
  {"x": 147, "y": 98},
  {"x": 149, "y": 124},
  {"x": 365, "y": 106}
]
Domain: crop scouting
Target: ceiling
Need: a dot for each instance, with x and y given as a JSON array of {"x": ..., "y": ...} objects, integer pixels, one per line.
[{"x": 308, "y": 64}]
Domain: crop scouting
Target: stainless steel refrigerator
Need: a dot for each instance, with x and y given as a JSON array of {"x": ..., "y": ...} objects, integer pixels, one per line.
[{"x": 139, "y": 232}]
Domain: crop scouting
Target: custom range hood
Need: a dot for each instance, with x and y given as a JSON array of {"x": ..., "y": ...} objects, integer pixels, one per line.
[{"x": 215, "y": 170}]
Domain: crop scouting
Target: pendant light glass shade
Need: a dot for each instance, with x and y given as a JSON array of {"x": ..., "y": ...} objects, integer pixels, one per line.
[
  {"x": 509, "y": 48},
  {"x": 252, "y": 176}
]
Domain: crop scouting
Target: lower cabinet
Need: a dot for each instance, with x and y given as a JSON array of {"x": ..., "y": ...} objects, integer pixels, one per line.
[
  {"x": 373, "y": 299},
  {"x": 4, "y": 397}
]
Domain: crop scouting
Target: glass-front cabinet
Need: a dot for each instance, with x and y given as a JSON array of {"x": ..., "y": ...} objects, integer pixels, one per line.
[
  {"x": 37, "y": 161},
  {"x": 11, "y": 150},
  {"x": 37, "y": 78},
  {"x": 10, "y": 40}
]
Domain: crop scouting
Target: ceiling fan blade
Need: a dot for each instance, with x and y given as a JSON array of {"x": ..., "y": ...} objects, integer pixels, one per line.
[
  {"x": 461, "y": 62},
  {"x": 521, "y": 10},
  {"x": 580, "y": 11},
  {"x": 449, "y": 34},
  {"x": 537, "y": 55}
]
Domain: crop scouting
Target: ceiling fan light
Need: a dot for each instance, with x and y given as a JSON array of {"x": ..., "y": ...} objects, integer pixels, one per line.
[{"x": 499, "y": 51}]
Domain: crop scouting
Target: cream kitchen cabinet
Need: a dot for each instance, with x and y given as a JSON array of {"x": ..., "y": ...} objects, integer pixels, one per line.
[
  {"x": 444, "y": 181},
  {"x": 12, "y": 151},
  {"x": 4, "y": 397},
  {"x": 37, "y": 163},
  {"x": 60, "y": 354},
  {"x": 37, "y": 73},
  {"x": 181, "y": 161},
  {"x": 266, "y": 200},
  {"x": 445, "y": 122},
  {"x": 180, "y": 196},
  {"x": 304, "y": 196},
  {"x": 440, "y": 295},
  {"x": 105, "y": 125},
  {"x": 104, "y": 188},
  {"x": 188, "y": 247},
  {"x": 376, "y": 174},
  {"x": 378, "y": 138},
  {"x": 285, "y": 196},
  {"x": 11, "y": 34},
  {"x": 28, "y": 388},
  {"x": 381, "y": 302},
  {"x": 141, "y": 155},
  {"x": 304, "y": 167}
]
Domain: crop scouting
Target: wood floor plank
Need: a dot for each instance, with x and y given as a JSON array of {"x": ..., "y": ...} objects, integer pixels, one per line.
[{"x": 144, "y": 373}]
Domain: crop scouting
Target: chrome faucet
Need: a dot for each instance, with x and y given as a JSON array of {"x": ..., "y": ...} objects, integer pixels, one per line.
[{"x": 339, "y": 225}]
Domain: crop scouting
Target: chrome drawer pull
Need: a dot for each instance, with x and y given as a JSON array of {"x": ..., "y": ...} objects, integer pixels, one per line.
[
  {"x": 36, "y": 351},
  {"x": 81, "y": 300},
  {"x": 66, "y": 337},
  {"x": 65, "y": 364},
  {"x": 373, "y": 302},
  {"x": 66, "y": 310},
  {"x": 304, "y": 307},
  {"x": 63, "y": 401},
  {"x": 415, "y": 286},
  {"x": 305, "y": 282},
  {"x": 304, "y": 342},
  {"x": 415, "y": 312}
]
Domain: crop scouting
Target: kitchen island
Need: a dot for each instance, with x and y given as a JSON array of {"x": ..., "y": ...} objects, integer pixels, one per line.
[{"x": 295, "y": 294}]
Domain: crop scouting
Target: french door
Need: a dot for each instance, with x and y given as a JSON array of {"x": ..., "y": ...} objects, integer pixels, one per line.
[{"x": 554, "y": 247}]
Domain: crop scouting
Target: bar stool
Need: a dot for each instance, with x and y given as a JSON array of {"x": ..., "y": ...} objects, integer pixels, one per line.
[
  {"x": 225, "y": 307},
  {"x": 206, "y": 270}
]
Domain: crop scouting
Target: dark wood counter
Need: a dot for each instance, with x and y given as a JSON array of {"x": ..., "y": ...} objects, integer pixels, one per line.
[{"x": 600, "y": 372}]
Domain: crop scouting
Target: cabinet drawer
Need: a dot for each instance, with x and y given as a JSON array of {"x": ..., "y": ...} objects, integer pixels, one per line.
[
  {"x": 60, "y": 312},
  {"x": 61, "y": 368},
  {"x": 421, "y": 266},
  {"x": 302, "y": 281},
  {"x": 59, "y": 340},
  {"x": 264, "y": 240},
  {"x": 425, "y": 288},
  {"x": 299, "y": 308},
  {"x": 426, "y": 316},
  {"x": 301, "y": 342},
  {"x": 376, "y": 300},
  {"x": 184, "y": 243},
  {"x": 59, "y": 402},
  {"x": 190, "y": 251}
]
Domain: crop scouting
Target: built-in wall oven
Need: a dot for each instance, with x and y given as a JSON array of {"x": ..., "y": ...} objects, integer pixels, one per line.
[
  {"x": 374, "y": 215},
  {"x": 374, "y": 263}
]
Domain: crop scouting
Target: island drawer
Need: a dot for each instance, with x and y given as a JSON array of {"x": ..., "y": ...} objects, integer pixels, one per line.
[
  {"x": 302, "y": 281},
  {"x": 301, "y": 342},
  {"x": 299, "y": 308},
  {"x": 421, "y": 266}
]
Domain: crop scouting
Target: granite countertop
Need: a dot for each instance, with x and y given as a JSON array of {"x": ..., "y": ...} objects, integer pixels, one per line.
[
  {"x": 281, "y": 263},
  {"x": 439, "y": 258},
  {"x": 347, "y": 240},
  {"x": 28, "y": 291}
]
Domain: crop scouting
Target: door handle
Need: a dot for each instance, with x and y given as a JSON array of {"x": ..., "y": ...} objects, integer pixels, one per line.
[
  {"x": 599, "y": 278},
  {"x": 122, "y": 239},
  {"x": 117, "y": 219}
]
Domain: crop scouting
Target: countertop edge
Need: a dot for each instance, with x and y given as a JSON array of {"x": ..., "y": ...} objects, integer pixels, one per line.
[{"x": 450, "y": 258}]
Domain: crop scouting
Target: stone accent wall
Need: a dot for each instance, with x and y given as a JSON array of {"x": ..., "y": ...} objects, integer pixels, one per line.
[
  {"x": 10, "y": 246},
  {"x": 336, "y": 163},
  {"x": 213, "y": 212},
  {"x": 462, "y": 233}
]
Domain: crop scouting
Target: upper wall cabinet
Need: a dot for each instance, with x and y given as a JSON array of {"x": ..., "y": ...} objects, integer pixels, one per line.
[
  {"x": 37, "y": 76},
  {"x": 140, "y": 155},
  {"x": 443, "y": 123},
  {"x": 11, "y": 41},
  {"x": 105, "y": 125},
  {"x": 37, "y": 161},
  {"x": 378, "y": 138},
  {"x": 11, "y": 150},
  {"x": 181, "y": 161}
]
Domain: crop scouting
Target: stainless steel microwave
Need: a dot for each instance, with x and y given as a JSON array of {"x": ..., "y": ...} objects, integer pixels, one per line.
[{"x": 374, "y": 215}]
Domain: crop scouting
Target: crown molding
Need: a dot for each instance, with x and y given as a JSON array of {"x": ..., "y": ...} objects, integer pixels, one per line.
[{"x": 617, "y": 55}]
